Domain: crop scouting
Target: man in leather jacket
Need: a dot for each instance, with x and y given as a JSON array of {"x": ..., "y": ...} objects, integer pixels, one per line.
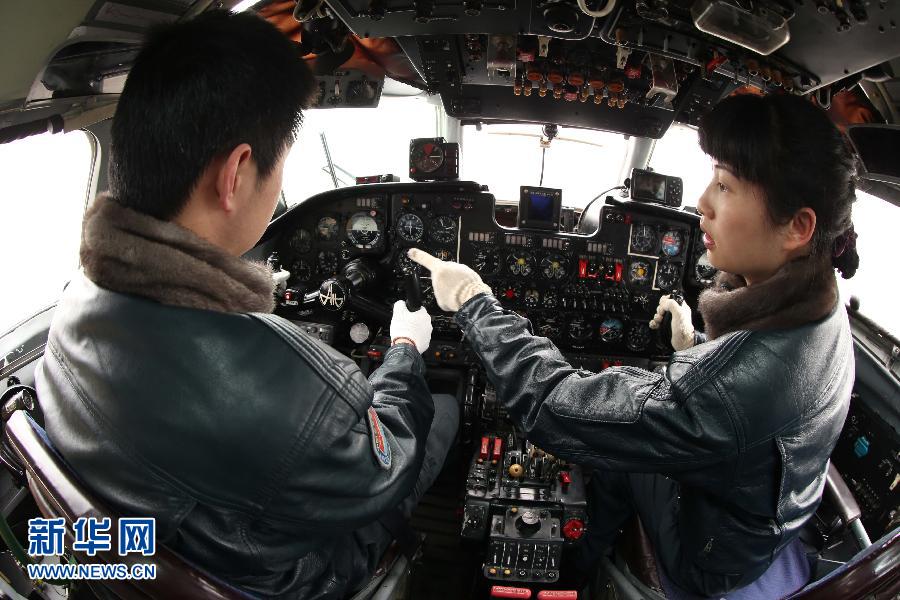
[{"x": 265, "y": 456}]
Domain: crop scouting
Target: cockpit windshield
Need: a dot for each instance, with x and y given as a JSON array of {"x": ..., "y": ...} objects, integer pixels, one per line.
[
  {"x": 581, "y": 162},
  {"x": 360, "y": 142}
]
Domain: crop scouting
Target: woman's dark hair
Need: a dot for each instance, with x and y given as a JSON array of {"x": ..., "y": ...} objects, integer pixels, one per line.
[
  {"x": 196, "y": 91},
  {"x": 790, "y": 148}
]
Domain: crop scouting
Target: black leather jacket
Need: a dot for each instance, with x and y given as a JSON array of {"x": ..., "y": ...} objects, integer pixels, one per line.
[
  {"x": 247, "y": 440},
  {"x": 744, "y": 423}
]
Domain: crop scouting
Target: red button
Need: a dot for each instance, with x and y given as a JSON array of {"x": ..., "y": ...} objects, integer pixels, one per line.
[
  {"x": 573, "y": 529},
  {"x": 504, "y": 591},
  {"x": 565, "y": 478},
  {"x": 374, "y": 354},
  {"x": 287, "y": 296},
  {"x": 582, "y": 268},
  {"x": 483, "y": 452},
  {"x": 510, "y": 293},
  {"x": 557, "y": 595}
]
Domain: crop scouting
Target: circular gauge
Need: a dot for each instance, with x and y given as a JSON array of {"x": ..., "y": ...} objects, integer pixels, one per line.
[
  {"x": 359, "y": 332},
  {"x": 406, "y": 265},
  {"x": 363, "y": 230},
  {"x": 486, "y": 261},
  {"x": 579, "y": 329},
  {"x": 549, "y": 327},
  {"x": 427, "y": 157},
  {"x": 327, "y": 228},
  {"x": 554, "y": 266},
  {"x": 639, "y": 272},
  {"x": 672, "y": 242},
  {"x": 301, "y": 241},
  {"x": 520, "y": 263},
  {"x": 643, "y": 238},
  {"x": 611, "y": 330},
  {"x": 327, "y": 263},
  {"x": 301, "y": 270},
  {"x": 532, "y": 298},
  {"x": 667, "y": 275},
  {"x": 509, "y": 293},
  {"x": 410, "y": 227},
  {"x": 638, "y": 337},
  {"x": 703, "y": 269},
  {"x": 642, "y": 300},
  {"x": 443, "y": 229},
  {"x": 551, "y": 300}
]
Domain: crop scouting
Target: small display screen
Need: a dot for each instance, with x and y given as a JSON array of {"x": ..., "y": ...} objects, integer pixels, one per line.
[
  {"x": 648, "y": 186},
  {"x": 540, "y": 206}
]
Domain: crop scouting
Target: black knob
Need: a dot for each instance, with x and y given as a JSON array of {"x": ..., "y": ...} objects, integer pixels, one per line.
[{"x": 413, "y": 292}]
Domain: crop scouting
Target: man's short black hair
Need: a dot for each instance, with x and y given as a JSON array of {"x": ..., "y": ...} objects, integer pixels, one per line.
[{"x": 196, "y": 91}]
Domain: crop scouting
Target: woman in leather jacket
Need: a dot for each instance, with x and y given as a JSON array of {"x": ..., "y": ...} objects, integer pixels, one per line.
[{"x": 723, "y": 451}]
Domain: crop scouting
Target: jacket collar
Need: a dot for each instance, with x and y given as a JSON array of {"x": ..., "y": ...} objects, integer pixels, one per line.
[
  {"x": 802, "y": 291},
  {"x": 133, "y": 253}
]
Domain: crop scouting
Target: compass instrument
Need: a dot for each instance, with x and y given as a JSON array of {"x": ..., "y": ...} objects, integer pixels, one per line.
[{"x": 410, "y": 227}]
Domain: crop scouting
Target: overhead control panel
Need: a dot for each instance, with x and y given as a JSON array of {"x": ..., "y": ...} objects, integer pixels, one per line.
[
  {"x": 347, "y": 89},
  {"x": 632, "y": 66}
]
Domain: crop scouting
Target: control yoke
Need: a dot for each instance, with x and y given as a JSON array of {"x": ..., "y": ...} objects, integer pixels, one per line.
[{"x": 345, "y": 292}]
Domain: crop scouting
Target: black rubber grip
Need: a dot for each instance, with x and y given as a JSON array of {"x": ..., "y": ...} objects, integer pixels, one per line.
[{"x": 413, "y": 292}]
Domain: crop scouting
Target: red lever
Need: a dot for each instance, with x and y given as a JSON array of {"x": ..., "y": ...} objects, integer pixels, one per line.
[
  {"x": 619, "y": 267},
  {"x": 557, "y": 595},
  {"x": 498, "y": 448},
  {"x": 483, "y": 452},
  {"x": 504, "y": 591},
  {"x": 582, "y": 268}
]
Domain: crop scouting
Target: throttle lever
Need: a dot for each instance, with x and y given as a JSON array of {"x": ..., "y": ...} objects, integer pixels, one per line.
[
  {"x": 413, "y": 291},
  {"x": 665, "y": 328}
]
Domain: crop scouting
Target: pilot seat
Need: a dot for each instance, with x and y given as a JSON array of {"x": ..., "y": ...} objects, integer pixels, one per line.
[{"x": 33, "y": 461}]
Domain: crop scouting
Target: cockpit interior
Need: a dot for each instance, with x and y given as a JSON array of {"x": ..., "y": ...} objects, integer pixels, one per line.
[{"x": 504, "y": 515}]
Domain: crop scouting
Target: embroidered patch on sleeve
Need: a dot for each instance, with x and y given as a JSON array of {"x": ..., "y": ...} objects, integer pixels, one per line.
[{"x": 380, "y": 445}]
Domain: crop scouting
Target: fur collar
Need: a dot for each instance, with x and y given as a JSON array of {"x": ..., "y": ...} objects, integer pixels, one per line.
[
  {"x": 129, "y": 252},
  {"x": 800, "y": 292}
]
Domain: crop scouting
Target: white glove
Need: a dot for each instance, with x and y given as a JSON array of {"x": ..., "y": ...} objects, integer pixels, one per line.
[
  {"x": 453, "y": 283},
  {"x": 280, "y": 278},
  {"x": 414, "y": 326},
  {"x": 682, "y": 327}
]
